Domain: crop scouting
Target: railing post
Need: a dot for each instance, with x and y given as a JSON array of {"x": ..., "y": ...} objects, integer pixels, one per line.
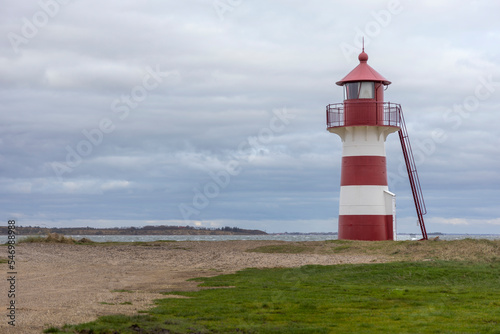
[{"x": 327, "y": 116}]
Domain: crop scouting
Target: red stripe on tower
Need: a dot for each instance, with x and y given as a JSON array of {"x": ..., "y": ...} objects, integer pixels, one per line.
[
  {"x": 366, "y": 227},
  {"x": 363, "y": 170}
]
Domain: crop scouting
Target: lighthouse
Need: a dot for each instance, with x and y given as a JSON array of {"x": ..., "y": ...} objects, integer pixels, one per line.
[{"x": 363, "y": 121}]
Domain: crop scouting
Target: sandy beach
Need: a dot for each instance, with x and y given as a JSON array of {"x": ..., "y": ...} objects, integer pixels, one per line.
[{"x": 67, "y": 283}]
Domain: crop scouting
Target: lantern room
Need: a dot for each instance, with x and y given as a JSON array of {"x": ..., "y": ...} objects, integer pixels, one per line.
[
  {"x": 363, "y": 95},
  {"x": 363, "y": 82}
]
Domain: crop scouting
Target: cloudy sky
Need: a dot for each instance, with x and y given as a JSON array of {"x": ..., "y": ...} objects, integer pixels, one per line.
[{"x": 212, "y": 112}]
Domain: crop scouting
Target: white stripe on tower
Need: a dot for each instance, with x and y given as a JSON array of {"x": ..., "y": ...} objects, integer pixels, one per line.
[{"x": 362, "y": 200}]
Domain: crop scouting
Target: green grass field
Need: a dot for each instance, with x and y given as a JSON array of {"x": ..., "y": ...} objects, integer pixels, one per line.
[{"x": 397, "y": 297}]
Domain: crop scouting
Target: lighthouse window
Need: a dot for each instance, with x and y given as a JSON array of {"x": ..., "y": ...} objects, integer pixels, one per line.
[
  {"x": 366, "y": 90},
  {"x": 359, "y": 90},
  {"x": 351, "y": 90}
]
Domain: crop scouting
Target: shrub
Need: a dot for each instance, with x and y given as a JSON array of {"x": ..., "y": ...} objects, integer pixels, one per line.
[{"x": 50, "y": 238}]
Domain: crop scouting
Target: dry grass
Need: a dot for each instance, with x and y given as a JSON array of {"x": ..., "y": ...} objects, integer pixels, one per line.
[
  {"x": 457, "y": 250},
  {"x": 50, "y": 238}
]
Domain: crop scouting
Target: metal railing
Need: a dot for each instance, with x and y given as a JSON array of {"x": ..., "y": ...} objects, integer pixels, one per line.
[{"x": 363, "y": 113}]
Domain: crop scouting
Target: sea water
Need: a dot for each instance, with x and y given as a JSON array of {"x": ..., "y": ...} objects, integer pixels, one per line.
[{"x": 282, "y": 237}]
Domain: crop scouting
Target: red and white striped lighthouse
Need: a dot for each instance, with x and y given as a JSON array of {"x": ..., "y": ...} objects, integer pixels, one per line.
[
  {"x": 367, "y": 209},
  {"x": 363, "y": 122}
]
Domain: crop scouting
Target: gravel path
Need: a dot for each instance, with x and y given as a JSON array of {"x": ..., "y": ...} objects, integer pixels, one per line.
[{"x": 63, "y": 283}]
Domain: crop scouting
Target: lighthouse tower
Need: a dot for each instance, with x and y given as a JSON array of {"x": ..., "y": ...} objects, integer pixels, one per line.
[{"x": 363, "y": 122}]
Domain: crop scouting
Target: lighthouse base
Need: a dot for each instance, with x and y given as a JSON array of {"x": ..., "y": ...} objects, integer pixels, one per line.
[{"x": 366, "y": 227}]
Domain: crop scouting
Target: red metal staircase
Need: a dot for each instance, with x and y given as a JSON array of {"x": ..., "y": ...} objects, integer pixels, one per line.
[{"x": 413, "y": 175}]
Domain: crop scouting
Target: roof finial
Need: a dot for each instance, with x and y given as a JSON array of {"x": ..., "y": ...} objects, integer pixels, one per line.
[{"x": 363, "y": 57}]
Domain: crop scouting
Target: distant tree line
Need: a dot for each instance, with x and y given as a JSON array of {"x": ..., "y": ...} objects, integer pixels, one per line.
[{"x": 146, "y": 230}]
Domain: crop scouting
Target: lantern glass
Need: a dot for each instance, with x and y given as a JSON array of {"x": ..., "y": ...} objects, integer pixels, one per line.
[
  {"x": 366, "y": 90},
  {"x": 351, "y": 90},
  {"x": 359, "y": 90}
]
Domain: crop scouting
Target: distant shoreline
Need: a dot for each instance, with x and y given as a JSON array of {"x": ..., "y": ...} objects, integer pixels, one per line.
[{"x": 146, "y": 230}]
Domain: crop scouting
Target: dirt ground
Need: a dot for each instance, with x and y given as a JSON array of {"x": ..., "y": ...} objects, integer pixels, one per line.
[{"x": 58, "y": 284}]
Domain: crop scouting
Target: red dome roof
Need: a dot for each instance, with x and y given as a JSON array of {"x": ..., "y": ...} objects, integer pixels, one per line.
[{"x": 363, "y": 72}]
